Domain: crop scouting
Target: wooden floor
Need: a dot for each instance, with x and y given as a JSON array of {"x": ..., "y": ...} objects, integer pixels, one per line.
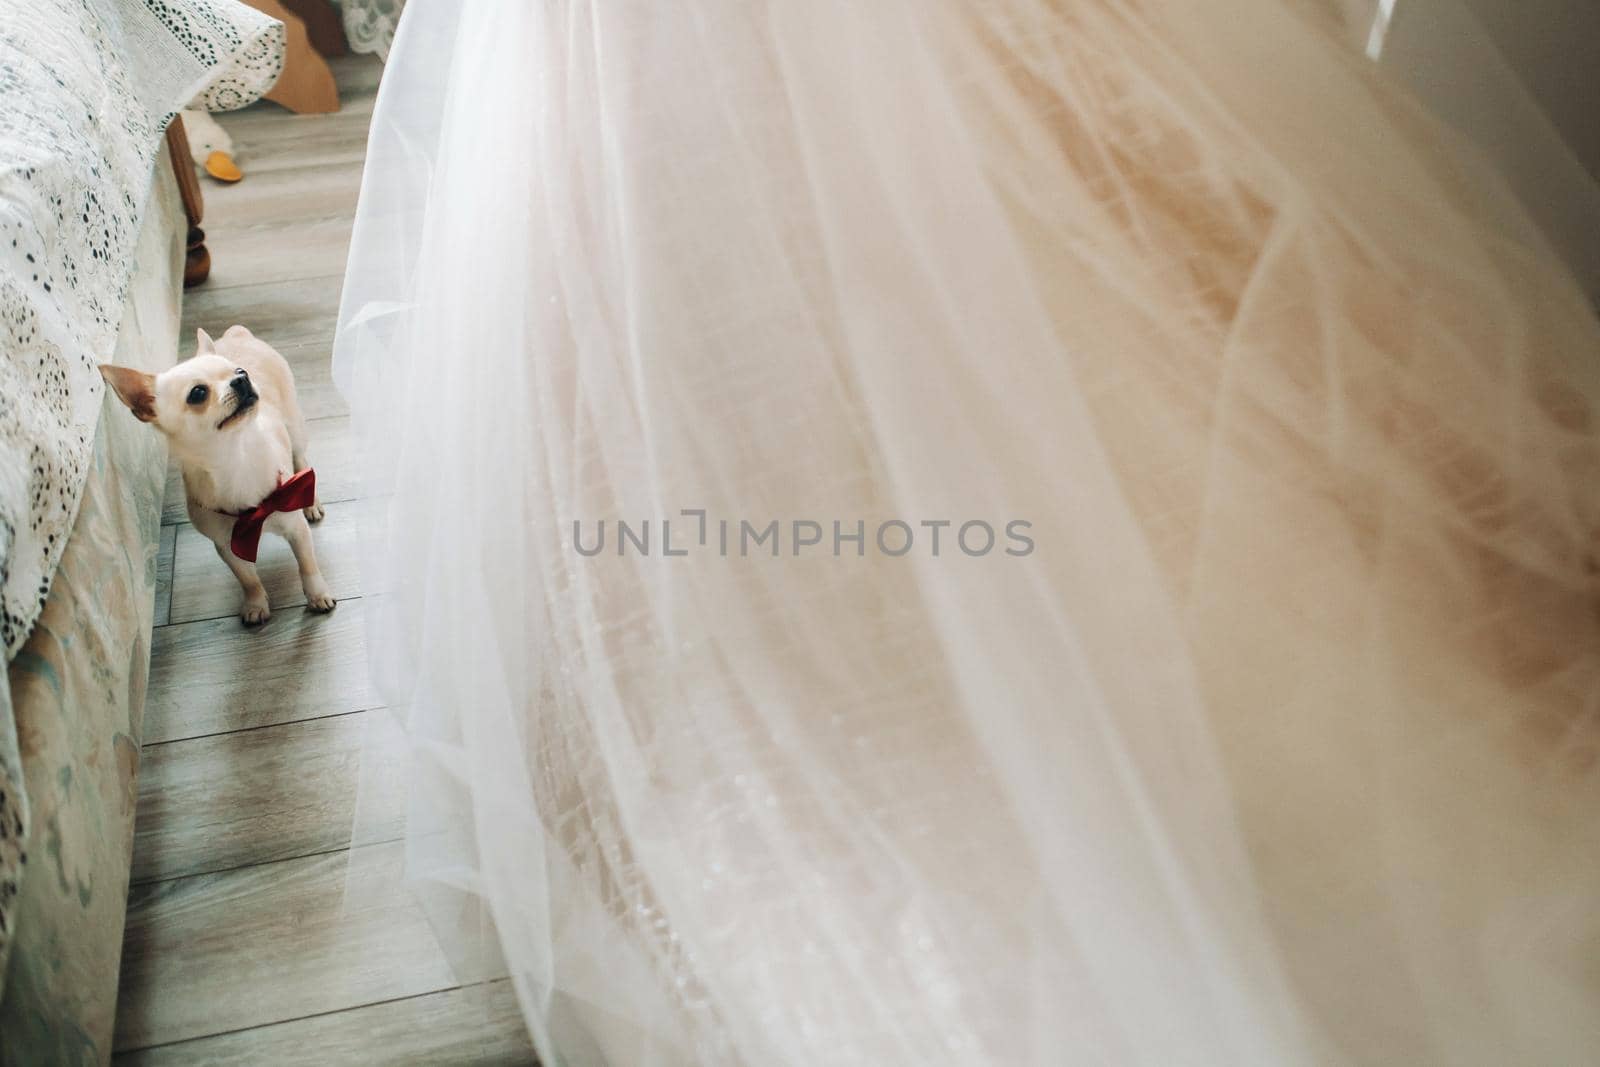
[{"x": 242, "y": 943}]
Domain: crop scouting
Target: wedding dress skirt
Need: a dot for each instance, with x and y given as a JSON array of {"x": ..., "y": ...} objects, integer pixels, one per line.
[{"x": 1263, "y": 729}]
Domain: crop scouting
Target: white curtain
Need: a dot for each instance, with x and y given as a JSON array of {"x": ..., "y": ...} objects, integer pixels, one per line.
[{"x": 1277, "y": 746}]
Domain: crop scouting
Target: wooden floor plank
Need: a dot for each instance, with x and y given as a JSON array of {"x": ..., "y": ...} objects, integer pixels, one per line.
[
  {"x": 474, "y": 1026},
  {"x": 202, "y": 587},
  {"x": 275, "y": 196},
  {"x": 313, "y": 380},
  {"x": 214, "y": 676},
  {"x": 254, "y": 796},
  {"x": 270, "y": 943},
  {"x": 296, "y": 311},
  {"x": 299, "y": 141},
  {"x": 165, "y": 554},
  {"x": 278, "y": 252}
]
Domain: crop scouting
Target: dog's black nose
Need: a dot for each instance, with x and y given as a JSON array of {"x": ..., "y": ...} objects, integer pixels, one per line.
[{"x": 240, "y": 384}]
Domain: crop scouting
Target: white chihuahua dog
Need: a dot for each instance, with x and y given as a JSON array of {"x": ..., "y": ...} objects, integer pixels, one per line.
[{"x": 233, "y": 423}]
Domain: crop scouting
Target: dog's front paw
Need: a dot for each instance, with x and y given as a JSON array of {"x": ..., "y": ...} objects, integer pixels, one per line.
[
  {"x": 255, "y": 612},
  {"x": 314, "y": 513},
  {"x": 319, "y": 598}
]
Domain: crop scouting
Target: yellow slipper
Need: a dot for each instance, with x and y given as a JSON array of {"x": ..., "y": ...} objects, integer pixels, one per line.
[{"x": 220, "y": 166}]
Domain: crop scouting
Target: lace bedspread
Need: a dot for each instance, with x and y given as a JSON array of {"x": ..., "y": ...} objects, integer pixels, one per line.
[{"x": 87, "y": 86}]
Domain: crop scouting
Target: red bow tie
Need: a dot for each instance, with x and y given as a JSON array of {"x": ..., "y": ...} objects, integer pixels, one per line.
[{"x": 297, "y": 491}]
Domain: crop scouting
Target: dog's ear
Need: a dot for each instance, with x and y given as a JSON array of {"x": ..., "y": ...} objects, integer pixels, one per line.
[
  {"x": 136, "y": 388},
  {"x": 202, "y": 343}
]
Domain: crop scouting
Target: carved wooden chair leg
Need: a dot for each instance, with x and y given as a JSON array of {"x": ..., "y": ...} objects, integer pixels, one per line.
[{"x": 197, "y": 260}]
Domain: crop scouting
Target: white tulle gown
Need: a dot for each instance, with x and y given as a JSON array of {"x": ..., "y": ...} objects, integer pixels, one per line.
[{"x": 1279, "y": 746}]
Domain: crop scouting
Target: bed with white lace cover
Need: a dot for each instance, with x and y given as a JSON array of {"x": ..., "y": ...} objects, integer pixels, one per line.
[{"x": 86, "y": 88}]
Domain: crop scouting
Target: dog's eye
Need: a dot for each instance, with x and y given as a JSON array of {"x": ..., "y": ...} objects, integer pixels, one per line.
[{"x": 198, "y": 394}]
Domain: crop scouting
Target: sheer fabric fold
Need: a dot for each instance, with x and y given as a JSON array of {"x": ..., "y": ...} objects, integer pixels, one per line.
[{"x": 1279, "y": 743}]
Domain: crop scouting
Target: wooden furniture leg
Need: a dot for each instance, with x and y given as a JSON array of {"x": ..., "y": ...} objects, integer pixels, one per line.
[
  {"x": 197, "y": 261},
  {"x": 306, "y": 85},
  {"x": 323, "y": 26}
]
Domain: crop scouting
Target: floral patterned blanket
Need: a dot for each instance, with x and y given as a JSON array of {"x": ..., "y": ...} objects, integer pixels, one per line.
[{"x": 86, "y": 87}]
